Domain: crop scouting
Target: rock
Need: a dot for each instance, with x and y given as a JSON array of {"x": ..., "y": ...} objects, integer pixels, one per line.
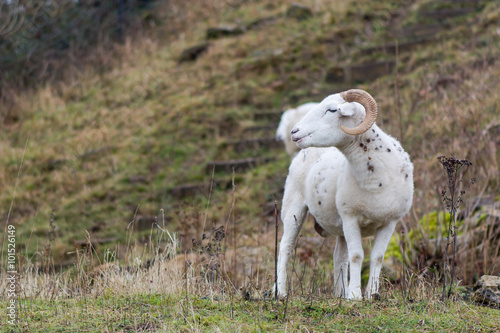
[
  {"x": 192, "y": 53},
  {"x": 259, "y": 23},
  {"x": 268, "y": 116},
  {"x": 390, "y": 48},
  {"x": 446, "y": 13},
  {"x": 55, "y": 164},
  {"x": 92, "y": 243},
  {"x": 255, "y": 144},
  {"x": 261, "y": 129},
  {"x": 369, "y": 71},
  {"x": 419, "y": 31},
  {"x": 299, "y": 12},
  {"x": 105, "y": 270},
  {"x": 236, "y": 165},
  {"x": 188, "y": 190},
  {"x": 487, "y": 290},
  {"x": 225, "y": 31},
  {"x": 138, "y": 179},
  {"x": 96, "y": 153},
  {"x": 267, "y": 53},
  {"x": 359, "y": 73},
  {"x": 180, "y": 262},
  {"x": 335, "y": 75},
  {"x": 144, "y": 222}
]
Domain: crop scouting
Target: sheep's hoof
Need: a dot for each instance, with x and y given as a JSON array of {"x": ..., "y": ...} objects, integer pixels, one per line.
[
  {"x": 373, "y": 296},
  {"x": 271, "y": 294},
  {"x": 355, "y": 295},
  {"x": 245, "y": 294},
  {"x": 268, "y": 294}
]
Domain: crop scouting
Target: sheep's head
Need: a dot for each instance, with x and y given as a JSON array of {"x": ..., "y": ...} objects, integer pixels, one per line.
[
  {"x": 281, "y": 131},
  {"x": 336, "y": 119}
]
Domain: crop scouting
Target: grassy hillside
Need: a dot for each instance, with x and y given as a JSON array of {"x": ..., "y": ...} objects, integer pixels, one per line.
[
  {"x": 100, "y": 157},
  {"x": 150, "y": 159}
]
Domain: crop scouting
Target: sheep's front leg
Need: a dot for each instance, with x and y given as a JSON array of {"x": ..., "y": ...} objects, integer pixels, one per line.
[
  {"x": 382, "y": 238},
  {"x": 340, "y": 267},
  {"x": 293, "y": 215},
  {"x": 352, "y": 235}
]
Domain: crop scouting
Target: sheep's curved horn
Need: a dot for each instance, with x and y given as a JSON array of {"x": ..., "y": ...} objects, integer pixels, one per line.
[{"x": 368, "y": 102}]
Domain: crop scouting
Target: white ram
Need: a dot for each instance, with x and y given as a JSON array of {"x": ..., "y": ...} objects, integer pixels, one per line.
[
  {"x": 288, "y": 120},
  {"x": 355, "y": 180}
]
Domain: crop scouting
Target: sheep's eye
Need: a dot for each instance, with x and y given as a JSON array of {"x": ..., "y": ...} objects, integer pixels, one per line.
[{"x": 331, "y": 110}]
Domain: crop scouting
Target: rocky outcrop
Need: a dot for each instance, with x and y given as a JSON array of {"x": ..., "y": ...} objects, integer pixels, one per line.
[{"x": 487, "y": 290}]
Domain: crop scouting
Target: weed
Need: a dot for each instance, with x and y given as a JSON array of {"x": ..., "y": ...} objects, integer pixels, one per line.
[
  {"x": 48, "y": 261},
  {"x": 455, "y": 170}
]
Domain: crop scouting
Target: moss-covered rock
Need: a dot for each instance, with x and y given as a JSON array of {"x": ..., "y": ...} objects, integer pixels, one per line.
[{"x": 299, "y": 12}]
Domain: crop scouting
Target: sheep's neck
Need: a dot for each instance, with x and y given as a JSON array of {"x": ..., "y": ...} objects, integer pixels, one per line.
[{"x": 367, "y": 156}]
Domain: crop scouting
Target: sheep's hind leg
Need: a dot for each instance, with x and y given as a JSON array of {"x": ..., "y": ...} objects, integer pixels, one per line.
[
  {"x": 382, "y": 238},
  {"x": 293, "y": 215},
  {"x": 340, "y": 267}
]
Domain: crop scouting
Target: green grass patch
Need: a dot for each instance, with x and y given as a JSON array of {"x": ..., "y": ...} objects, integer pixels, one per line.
[{"x": 164, "y": 313}]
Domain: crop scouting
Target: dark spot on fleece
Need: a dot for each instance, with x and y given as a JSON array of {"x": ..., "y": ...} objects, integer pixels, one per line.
[
  {"x": 319, "y": 203},
  {"x": 388, "y": 150},
  {"x": 361, "y": 145},
  {"x": 370, "y": 167},
  {"x": 406, "y": 177},
  {"x": 380, "y": 185}
]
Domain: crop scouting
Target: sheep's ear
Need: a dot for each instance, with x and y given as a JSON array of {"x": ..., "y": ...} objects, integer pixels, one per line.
[{"x": 346, "y": 109}]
